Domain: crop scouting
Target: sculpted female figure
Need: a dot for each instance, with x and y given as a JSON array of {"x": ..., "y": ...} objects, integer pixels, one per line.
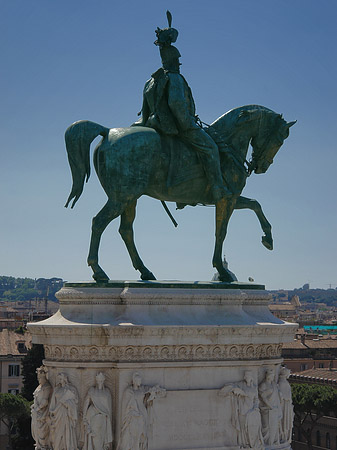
[
  {"x": 136, "y": 400},
  {"x": 286, "y": 405},
  {"x": 39, "y": 410},
  {"x": 246, "y": 418},
  {"x": 270, "y": 407},
  {"x": 63, "y": 415},
  {"x": 97, "y": 416}
]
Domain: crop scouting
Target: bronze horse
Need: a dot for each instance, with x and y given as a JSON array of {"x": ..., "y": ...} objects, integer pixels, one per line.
[{"x": 135, "y": 161}]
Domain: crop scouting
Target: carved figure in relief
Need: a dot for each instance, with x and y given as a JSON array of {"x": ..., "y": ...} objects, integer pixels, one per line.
[
  {"x": 270, "y": 407},
  {"x": 97, "y": 416},
  {"x": 287, "y": 420},
  {"x": 39, "y": 411},
  {"x": 136, "y": 401},
  {"x": 63, "y": 412},
  {"x": 246, "y": 418}
]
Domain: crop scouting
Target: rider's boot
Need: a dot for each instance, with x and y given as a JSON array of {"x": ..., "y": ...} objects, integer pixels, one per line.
[
  {"x": 214, "y": 177},
  {"x": 219, "y": 192},
  {"x": 209, "y": 155}
]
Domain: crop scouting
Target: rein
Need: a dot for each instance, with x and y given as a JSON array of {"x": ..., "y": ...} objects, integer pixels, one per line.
[{"x": 243, "y": 165}]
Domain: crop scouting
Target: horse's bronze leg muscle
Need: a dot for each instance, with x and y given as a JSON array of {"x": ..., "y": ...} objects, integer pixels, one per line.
[
  {"x": 126, "y": 231},
  {"x": 224, "y": 210},
  {"x": 110, "y": 211},
  {"x": 254, "y": 205}
]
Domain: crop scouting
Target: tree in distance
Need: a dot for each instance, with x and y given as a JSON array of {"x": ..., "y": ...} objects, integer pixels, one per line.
[
  {"x": 311, "y": 403},
  {"x": 14, "y": 410}
]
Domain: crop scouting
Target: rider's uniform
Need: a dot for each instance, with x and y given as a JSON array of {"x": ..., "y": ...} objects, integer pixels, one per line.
[{"x": 168, "y": 107}]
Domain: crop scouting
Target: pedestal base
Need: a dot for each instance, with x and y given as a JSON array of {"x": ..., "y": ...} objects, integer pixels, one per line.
[{"x": 194, "y": 349}]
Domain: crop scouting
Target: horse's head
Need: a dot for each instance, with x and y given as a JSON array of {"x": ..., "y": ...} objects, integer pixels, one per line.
[{"x": 272, "y": 131}]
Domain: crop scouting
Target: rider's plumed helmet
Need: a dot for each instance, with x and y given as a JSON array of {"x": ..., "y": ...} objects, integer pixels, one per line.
[{"x": 165, "y": 37}]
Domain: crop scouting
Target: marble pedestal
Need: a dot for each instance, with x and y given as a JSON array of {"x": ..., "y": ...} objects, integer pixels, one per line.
[{"x": 191, "y": 345}]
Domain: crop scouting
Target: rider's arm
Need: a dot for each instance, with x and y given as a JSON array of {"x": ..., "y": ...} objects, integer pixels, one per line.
[
  {"x": 179, "y": 102},
  {"x": 145, "y": 111}
]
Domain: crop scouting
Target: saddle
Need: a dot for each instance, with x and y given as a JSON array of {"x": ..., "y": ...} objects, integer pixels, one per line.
[{"x": 184, "y": 164}]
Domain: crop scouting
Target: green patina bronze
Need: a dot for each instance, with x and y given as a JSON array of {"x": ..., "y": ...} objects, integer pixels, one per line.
[
  {"x": 170, "y": 156},
  {"x": 167, "y": 284}
]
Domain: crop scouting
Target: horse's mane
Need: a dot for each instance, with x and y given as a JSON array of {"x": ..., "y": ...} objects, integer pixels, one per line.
[
  {"x": 226, "y": 126},
  {"x": 235, "y": 115}
]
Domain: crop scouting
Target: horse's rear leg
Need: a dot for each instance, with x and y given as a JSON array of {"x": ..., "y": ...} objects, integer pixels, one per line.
[
  {"x": 126, "y": 231},
  {"x": 254, "y": 205},
  {"x": 110, "y": 211},
  {"x": 224, "y": 210}
]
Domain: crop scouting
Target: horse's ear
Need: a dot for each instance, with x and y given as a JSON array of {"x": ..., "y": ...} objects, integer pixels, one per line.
[{"x": 290, "y": 124}]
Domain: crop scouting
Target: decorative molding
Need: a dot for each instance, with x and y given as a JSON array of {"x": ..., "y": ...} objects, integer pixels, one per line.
[
  {"x": 158, "y": 353},
  {"x": 143, "y": 296},
  {"x": 135, "y": 331}
]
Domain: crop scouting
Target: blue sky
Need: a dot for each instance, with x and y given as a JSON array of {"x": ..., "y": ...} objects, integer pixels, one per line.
[{"x": 69, "y": 60}]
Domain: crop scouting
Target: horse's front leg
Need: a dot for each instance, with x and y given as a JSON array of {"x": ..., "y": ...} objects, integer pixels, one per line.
[
  {"x": 126, "y": 231},
  {"x": 99, "y": 223},
  {"x": 224, "y": 210},
  {"x": 254, "y": 205}
]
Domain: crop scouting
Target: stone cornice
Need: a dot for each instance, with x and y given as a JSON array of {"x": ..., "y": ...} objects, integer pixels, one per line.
[
  {"x": 120, "y": 333},
  {"x": 147, "y": 296}
]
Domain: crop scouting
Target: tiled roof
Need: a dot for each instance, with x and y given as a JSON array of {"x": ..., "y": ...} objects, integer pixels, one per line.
[
  {"x": 294, "y": 345},
  {"x": 278, "y": 307},
  {"x": 9, "y": 342},
  {"x": 321, "y": 343},
  {"x": 316, "y": 375}
]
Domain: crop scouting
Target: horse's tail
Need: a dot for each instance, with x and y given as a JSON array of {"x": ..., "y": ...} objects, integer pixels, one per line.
[{"x": 78, "y": 138}]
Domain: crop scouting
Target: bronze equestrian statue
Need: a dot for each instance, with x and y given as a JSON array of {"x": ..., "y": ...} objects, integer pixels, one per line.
[{"x": 167, "y": 155}]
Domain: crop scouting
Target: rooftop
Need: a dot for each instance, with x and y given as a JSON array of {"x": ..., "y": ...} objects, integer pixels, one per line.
[
  {"x": 324, "y": 376},
  {"x": 319, "y": 343},
  {"x": 9, "y": 341}
]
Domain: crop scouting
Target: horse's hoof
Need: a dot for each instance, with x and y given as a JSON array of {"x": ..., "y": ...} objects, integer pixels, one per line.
[
  {"x": 267, "y": 241},
  {"x": 226, "y": 277},
  {"x": 100, "y": 276},
  {"x": 146, "y": 276}
]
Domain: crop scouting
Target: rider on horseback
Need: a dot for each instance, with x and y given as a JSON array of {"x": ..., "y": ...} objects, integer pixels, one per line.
[{"x": 169, "y": 108}]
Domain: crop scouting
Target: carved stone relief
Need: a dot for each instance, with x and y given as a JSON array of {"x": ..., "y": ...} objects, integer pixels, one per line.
[
  {"x": 97, "y": 416},
  {"x": 245, "y": 413},
  {"x": 136, "y": 402},
  {"x": 239, "y": 415},
  {"x": 163, "y": 353},
  {"x": 63, "y": 411},
  {"x": 287, "y": 420},
  {"x": 40, "y": 411},
  {"x": 270, "y": 407}
]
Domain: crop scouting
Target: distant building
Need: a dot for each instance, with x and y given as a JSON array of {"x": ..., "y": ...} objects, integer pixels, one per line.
[
  {"x": 324, "y": 435},
  {"x": 310, "y": 352},
  {"x": 16, "y": 314},
  {"x": 295, "y": 300},
  {"x": 13, "y": 348},
  {"x": 9, "y": 318},
  {"x": 285, "y": 310}
]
